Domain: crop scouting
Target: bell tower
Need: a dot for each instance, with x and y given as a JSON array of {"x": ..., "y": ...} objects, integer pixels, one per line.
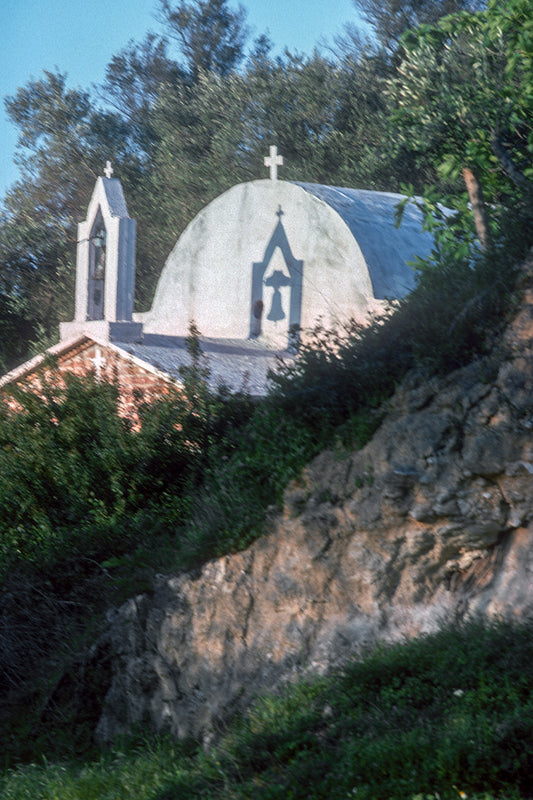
[{"x": 105, "y": 267}]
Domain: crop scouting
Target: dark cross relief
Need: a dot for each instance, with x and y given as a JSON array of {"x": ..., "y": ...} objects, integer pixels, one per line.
[{"x": 261, "y": 286}]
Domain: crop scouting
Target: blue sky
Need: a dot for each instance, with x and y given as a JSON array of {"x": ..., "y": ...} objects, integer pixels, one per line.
[{"x": 79, "y": 37}]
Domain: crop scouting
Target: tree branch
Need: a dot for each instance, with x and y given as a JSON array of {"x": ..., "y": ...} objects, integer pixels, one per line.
[{"x": 507, "y": 163}]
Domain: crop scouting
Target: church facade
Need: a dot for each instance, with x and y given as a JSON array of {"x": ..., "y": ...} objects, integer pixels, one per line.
[{"x": 255, "y": 269}]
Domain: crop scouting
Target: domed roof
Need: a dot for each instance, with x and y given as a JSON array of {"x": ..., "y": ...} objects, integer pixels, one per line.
[
  {"x": 387, "y": 249},
  {"x": 267, "y": 256}
]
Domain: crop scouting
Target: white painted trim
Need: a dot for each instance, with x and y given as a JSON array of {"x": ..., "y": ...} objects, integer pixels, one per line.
[{"x": 63, "y": 347}]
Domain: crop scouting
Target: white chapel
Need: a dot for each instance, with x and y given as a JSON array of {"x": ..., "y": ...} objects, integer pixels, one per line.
[
  {"x": 268, "y": 259},
  {"x": 256, "y": 269}
]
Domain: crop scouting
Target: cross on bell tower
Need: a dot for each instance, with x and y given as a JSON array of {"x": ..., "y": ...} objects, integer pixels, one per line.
[
  {"x": 273, "y": 161},
  {"x": 108, "y": 171}
]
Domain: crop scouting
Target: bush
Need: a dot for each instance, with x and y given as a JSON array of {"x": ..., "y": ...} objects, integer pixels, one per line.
[
  {"x": 460, "y": 302},
  {"x": 246, "y": 474},
  {"x": 75, "y": 477},
  {"x": 446, "y": 717},
  {"x": 448, "y": 714}
]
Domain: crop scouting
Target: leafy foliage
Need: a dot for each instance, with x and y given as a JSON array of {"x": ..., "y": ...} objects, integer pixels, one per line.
[
  {"x": 390, "y": 19},
  {"x": 246, "y": 475},
  {"x": 132, "y": 86},
  {"x": 72, "y": 472},
  {"x": 463, "y": 92},
  {"x": 447, "y": 716},
  {"x": 440, "y": 714},
  {"x": 78, "y": 482},
  {"x": 210, "y": 36}
]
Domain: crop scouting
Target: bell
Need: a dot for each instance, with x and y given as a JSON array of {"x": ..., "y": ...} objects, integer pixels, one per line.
[
  {"x": 277, "y": 280},
  {"x": 99, "y": 238},
  {"x": 276, "y": 311}
]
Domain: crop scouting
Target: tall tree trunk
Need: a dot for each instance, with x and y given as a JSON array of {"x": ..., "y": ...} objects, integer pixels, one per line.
[{"x": 475, "y": 194}]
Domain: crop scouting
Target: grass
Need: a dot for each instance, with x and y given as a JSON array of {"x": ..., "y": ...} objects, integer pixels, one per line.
[{"x": 447, "y": 716}]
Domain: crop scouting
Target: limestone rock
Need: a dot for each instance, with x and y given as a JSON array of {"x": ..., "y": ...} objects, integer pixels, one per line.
[{"x": 431, "y": 522}]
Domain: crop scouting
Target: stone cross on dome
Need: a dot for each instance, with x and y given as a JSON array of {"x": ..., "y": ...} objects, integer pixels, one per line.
[
  {"x": 273, "y": 161},
  {"x": 108, "y": 169}
]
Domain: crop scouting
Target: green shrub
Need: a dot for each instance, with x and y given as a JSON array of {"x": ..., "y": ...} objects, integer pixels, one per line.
[
  {"x": 446, "y": 717},
  {"x": 78, "y": 481},
  {"x": 448, "y": 713},
  {"x": 247, "y": 473},
  {"x": 75, "y": 477},
  {"x": 461, "y": 300}
]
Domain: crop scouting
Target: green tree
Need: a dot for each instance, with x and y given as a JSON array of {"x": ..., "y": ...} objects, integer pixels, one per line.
[
  {"x": 16, "y": 329},
  {"x": 367, "y": 154},
  {"x": 464, "y": 95},
  {"x": 210, "y": 36},
  {"x": 390, "y": 19},
  {"x": 35, "y": 269},
  {"x": 133, "y": 82},
  {"x": 292, "y": 101}
]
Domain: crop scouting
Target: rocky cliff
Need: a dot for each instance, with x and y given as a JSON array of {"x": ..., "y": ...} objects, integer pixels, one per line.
[{"x": 430, "y": 523}]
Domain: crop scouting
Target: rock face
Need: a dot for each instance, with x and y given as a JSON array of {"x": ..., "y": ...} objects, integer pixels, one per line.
[{"x": 431, "y": 522}]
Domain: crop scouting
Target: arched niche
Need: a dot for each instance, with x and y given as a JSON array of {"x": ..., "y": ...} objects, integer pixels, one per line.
[{"x": 97, "y": 269}]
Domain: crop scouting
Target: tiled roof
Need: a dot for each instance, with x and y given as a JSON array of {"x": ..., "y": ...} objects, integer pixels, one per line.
[
  {"x": 234, "y": 363},
  {"x": 387, "y": 249}
]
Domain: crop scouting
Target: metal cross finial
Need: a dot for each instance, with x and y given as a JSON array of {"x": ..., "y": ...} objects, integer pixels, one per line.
[
  {"x": 273, "y": 161},
  {"x": 108, "y": 169}
]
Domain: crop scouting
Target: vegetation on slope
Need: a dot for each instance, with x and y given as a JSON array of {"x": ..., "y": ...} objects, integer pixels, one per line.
[{"x": 449, "y": 716}]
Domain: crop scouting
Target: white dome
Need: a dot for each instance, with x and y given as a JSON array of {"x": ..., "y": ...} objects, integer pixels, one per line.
[{"x": 267, "y": 255}]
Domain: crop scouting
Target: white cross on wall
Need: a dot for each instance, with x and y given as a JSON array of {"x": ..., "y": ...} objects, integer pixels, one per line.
[
  {"x": 273, "y": 161},
  {"x": 108, "y": 169},
  {"x": 98, "y": 362}
]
